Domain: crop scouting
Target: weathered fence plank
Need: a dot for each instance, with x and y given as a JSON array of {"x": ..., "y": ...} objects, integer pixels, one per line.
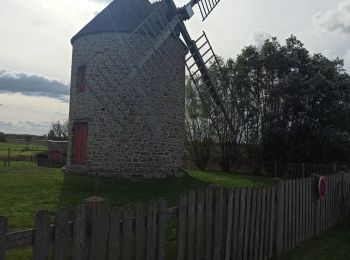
[
  {"x": 317, "y": 210},
  {"x": 200, "y": 225},
  {"x": 191, "y": 224},
  {"x": 272, "y": 221},
  {"x": 243, "y": 199},
  {"x": 333, "y": 210},
  {"x": 285, "y": 215},
  {"x": 311, "y": 207},
  {"x": 127, "y": 237},
  {"x": 42, "y": 236},
  {"x": 97, "y": 235},
  {"x": 140, "y": 231},
  {"x": 151, "y": 230},
  {"x": 252, "y": 224},
  {"x": 229, "y": 226},
  {"x": 79, "y": 249},
  {"x": 279, "y": 216},
  {"x": 257, "y": 224},
  {"x": 308, "y": 207},
  {"x": 208, "y": 223},
  {"x": 61, "y": 243},
  {"x": 294, "y": 213},
  {"x": 297, "y": 211},
  {"x": 247, "y": 223},
  {"x": 3, "y": 229},
  {"x": 262, "y": 224},
  {"x": 290, "y": 214},
  {"x": 235, "y": 230},
  {"x": 218, "y": 218},
  {"x": 303, "y": 210},
  {"x": 162, "y": 225},
  {"x": 182, "y": 228},
  {"x": 267, "y": 224},
  {"x": 114, "y": 235}
]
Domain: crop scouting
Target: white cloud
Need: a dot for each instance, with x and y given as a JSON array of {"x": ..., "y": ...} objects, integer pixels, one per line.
[
  {"x": 334, "y": 19},
  {"x": 32, "y": 85}
]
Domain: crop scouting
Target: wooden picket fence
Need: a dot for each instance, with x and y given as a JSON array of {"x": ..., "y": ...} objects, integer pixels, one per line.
[{"x": 254, "y": 223}]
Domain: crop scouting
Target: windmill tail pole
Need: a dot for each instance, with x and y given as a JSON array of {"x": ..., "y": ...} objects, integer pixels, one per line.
[{"x": 194, "y": 2}]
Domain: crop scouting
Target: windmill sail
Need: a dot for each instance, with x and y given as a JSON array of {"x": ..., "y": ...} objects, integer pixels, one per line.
[
  {"x": 199, "y": 55},
  {"x": 206, "y": 7}
]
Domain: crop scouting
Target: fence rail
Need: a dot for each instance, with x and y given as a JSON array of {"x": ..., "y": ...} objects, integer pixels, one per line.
[{"x": 245, "y": 223}]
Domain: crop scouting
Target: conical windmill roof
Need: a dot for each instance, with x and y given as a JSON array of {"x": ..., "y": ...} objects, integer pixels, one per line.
[{"x": 118, "y": 16}]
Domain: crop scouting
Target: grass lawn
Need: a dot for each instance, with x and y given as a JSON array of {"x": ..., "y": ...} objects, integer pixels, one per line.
[
  {"x": 332, "y": 245},
  {"x": 25, "y": 189},
  {"x": 22, "y": 149}
]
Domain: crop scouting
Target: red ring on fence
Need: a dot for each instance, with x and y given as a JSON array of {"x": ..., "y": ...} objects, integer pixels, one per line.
[{"x": 322, "y": 187}]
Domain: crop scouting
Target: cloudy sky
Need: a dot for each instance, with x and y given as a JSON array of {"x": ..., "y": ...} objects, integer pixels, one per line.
[{"x": 35, "y": 50}]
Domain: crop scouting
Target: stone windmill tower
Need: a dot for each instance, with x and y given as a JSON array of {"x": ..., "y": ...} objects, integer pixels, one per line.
[{"x": 127, "y": 89}]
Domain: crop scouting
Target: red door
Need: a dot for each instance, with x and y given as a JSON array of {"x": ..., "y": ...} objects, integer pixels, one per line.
[{"x": 81, "y": 133}]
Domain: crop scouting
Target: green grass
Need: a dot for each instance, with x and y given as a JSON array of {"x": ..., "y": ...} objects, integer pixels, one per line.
[
  {"x": 332, "y": 245},
  {"x": 25, "y": 189},
  {"x": 19, "y": 149},
  {"x": 229, "y": 180}
]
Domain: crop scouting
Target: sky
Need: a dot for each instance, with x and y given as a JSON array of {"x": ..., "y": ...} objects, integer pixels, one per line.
[{"x": 35, "y": 49}]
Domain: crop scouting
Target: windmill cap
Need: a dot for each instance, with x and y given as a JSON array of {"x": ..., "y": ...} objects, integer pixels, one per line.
[{"x": 118, "y": 16}]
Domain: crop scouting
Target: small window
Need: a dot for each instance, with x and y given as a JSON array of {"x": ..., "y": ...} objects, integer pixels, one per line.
[{"x": 81, "y": 82}]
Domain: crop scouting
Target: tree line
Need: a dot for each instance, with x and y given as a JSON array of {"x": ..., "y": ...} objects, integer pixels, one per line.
[{"x": 284, "y": 104}]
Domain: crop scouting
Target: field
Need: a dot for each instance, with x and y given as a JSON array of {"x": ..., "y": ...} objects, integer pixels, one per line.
[
  {"x": 19, "y": 149},
  {"x": 25, "y": 189}
]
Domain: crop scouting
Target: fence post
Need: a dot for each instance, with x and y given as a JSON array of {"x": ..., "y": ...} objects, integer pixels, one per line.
[
  {"x": 278, "y": 226},
  {"x": 97, "y": 216},
  {"x": 2, "y": 238}
]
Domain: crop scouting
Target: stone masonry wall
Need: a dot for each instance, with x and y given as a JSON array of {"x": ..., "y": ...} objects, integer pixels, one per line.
[{"x": 140, "y": 132}]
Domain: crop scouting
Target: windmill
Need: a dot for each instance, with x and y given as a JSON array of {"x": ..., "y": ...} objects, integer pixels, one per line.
[{"x": 159, "y": 33}]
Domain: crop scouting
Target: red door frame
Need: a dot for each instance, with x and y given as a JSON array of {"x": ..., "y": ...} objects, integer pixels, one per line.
[{"x": 80, "y": 138}]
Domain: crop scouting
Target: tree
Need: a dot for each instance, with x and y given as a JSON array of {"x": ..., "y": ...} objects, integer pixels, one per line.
[
  {"x": 2, "y": 137},
  {"x": 284, "y": 103},
  {"x": 198, "y": 128},
  {"x": 58, "y": 131},
  {"x": 298, "y": 103}
]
